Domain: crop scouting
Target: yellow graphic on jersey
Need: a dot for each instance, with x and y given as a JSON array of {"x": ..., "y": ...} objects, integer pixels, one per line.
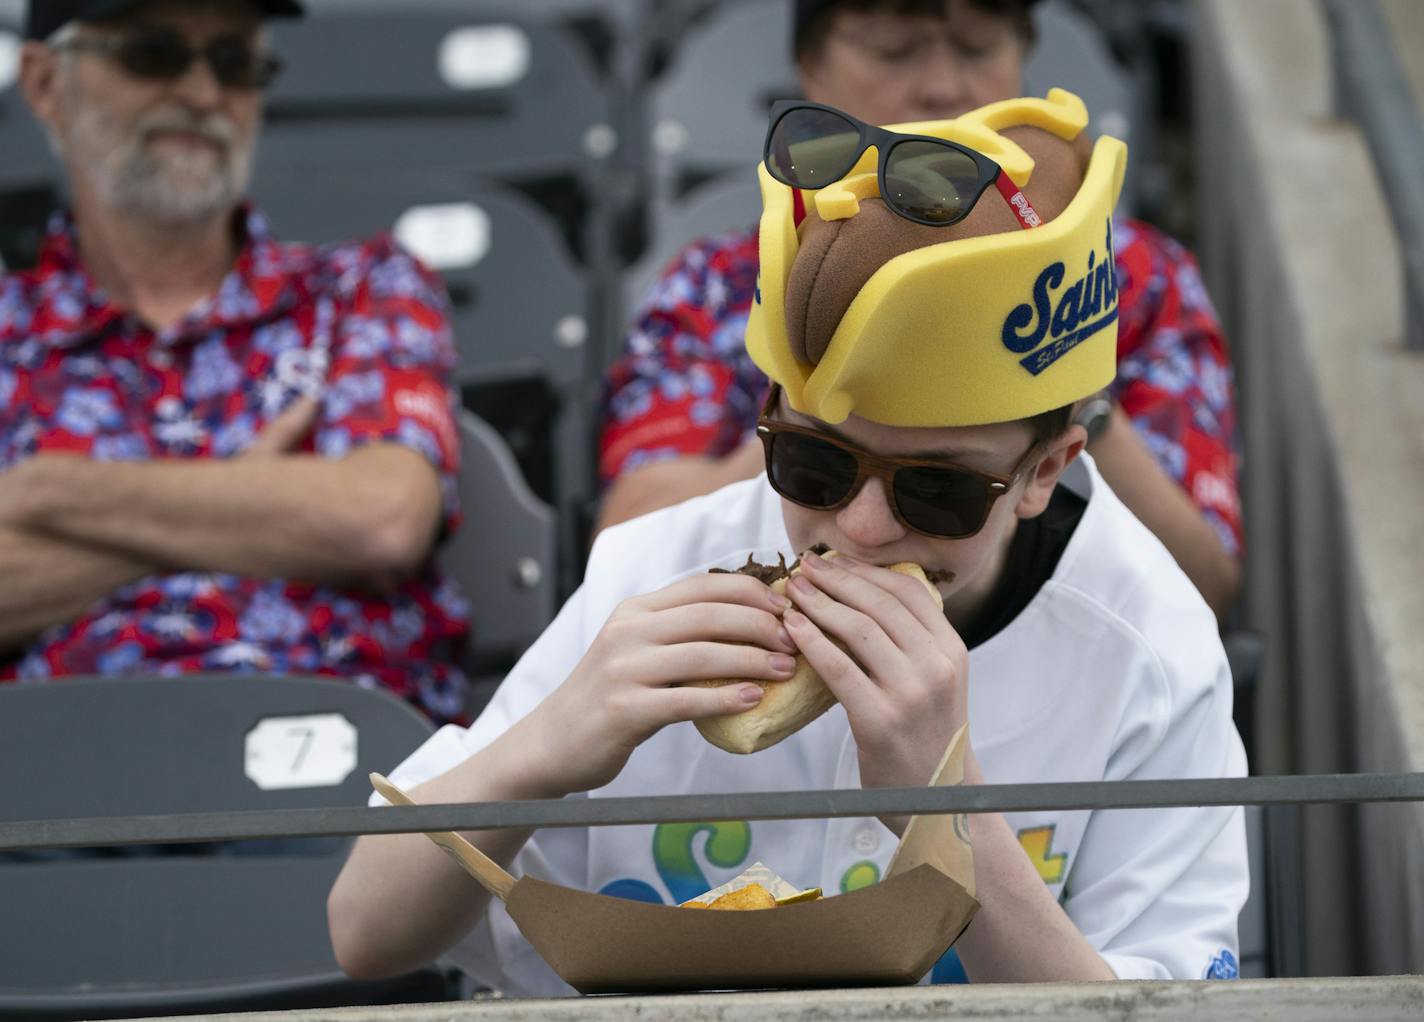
[
  {"x": 862, "y": 874},
  {"x": 1038, "y": 842}
]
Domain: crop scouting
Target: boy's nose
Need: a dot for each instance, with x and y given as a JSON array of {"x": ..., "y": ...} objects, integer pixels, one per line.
[{"x": 867, "y": 521}]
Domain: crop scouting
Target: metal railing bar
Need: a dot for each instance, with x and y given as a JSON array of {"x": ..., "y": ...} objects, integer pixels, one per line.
[{"x": 776, "y": 805}]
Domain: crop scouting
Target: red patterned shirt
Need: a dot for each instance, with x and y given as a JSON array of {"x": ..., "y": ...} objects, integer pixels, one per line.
[
  {"x": 686, "y": 385},
  {"x": 360, "y": 326}
]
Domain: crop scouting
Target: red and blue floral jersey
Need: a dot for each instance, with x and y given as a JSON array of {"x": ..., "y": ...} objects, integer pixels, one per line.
[
  {"x": 685, "y": 384},
  {"x": 362, "y": 327}
]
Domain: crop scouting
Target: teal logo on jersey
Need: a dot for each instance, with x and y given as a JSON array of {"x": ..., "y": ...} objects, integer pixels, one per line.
[{"x": 725, "y": 845}]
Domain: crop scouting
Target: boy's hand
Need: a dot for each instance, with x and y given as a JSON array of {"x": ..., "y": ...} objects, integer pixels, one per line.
[
  {"x": 903, "y": 676},
  {"x": 622, "y": 692}
]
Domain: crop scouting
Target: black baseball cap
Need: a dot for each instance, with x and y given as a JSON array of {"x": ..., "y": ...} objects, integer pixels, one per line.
[{"x": 48, "y": 16}]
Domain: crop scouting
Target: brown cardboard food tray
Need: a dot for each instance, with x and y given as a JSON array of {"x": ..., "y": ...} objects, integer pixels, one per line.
[{"x": 889, "y": 933}]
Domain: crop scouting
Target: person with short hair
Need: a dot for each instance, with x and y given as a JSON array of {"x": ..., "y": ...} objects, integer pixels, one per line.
[
  {"x": 926, "y": 350},
  {"x": 680, "y": 402},
  {"x": 218, "y": 451}
]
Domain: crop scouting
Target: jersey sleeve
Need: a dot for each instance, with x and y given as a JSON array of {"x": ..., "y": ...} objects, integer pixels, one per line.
[
  {"x": 1174, "y": 375},
  {"x": 492, "y": 951},
  {"x": 1158, "y": 891},
  {"x": 684, "y": 383},
  {"x": 392, "y": 364}
]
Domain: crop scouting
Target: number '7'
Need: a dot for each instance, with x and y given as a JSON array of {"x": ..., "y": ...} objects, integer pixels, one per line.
[{"x": 307, "y": 734}]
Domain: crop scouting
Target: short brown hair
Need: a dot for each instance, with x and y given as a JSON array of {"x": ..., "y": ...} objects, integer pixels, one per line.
[
  {"x": 1050, "y": 425},
  {"x": 812, "y": 20}
]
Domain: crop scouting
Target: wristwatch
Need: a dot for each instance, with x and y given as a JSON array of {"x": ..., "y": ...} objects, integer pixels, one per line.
[{"x": 1094, "y": 416}]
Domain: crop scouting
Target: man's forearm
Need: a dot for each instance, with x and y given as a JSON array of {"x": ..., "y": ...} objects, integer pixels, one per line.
[
  {"x": 1166, "y": 509},
  {"x": 49, "y": 582},
  {"x": 366, "y": 517}
]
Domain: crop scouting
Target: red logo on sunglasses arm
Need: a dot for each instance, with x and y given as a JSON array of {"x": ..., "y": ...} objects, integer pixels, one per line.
[{"x": 1018, "y": 202}]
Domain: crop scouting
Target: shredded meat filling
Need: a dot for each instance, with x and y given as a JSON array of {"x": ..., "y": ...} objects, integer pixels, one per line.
[
  {"x": 769, "y": 573},
  {"x": 765, "y": 573}
]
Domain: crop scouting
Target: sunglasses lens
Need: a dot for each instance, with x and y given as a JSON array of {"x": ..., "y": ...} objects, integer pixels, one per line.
[
  {"x": 940, "y": 501},
  {"x": 810, "y": 148},
  {"x": 164, "y": 54},
  {"x": 156, "y": 54},
  {"x": 931, "y": 183},
  {"x": 236, "y": 65},
  {"x": 810, "y": 471}
]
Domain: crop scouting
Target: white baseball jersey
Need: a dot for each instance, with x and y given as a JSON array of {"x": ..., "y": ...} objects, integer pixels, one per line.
[{"x": 1113, "y": 671}]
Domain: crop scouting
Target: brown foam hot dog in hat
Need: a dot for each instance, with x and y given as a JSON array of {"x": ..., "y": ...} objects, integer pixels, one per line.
[{"x": 860, "y": 311}]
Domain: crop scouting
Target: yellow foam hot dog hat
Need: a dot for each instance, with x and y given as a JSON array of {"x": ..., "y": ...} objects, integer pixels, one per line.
[{"x": 861, "y": 311}]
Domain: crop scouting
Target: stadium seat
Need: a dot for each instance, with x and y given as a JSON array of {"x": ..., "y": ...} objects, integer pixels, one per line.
[
  {"x": 27, "y": 161},
  {"x": 237, "y": 927},
  {"x": 436, "y": 84},
  {"x": 502, "y": 556},
  {"x": 707, "y": 112},
  {"x": 27, "y": 170},
  {"x": 520, "y": 304}
]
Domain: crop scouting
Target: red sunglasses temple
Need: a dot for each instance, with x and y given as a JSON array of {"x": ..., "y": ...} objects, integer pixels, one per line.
[{"x": 1018, "y": 201}]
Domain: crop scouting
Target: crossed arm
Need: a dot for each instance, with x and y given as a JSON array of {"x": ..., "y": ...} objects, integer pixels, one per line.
[{"x": 72, "y": 529}]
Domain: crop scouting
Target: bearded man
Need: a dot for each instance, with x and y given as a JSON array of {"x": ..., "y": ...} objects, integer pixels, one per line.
[{"x": 217, "y": 451}]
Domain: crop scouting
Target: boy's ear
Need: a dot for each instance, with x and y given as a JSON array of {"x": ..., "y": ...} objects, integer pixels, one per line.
[{"x": 1043, "y": 477}]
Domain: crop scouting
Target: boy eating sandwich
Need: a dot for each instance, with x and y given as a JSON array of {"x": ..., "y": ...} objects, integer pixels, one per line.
[{"x": 934, "y": 299}]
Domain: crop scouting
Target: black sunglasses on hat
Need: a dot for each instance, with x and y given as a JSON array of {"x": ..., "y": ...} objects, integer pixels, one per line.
[
  {"x": 46, "y": 17},
  {"x": 924, "y": 179}
]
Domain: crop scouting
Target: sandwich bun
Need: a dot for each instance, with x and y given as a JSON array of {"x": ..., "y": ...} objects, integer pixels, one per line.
[{"x": 786, "y": 706}]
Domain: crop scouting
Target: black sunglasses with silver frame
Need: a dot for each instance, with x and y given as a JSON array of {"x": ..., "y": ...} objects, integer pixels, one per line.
[{"x": 163, "y": 54}]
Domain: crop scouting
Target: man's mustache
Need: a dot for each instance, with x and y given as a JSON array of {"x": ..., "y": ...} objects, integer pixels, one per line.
[{"x": 213, "y": 127}]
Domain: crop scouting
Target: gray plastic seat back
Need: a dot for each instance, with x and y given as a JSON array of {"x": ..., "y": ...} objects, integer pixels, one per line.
[
  {"x": 425, "y": 84},
  {"x": 103, "y": 936},
  {"x": 133, "y": 746},
  {"x": 708, "y": 112},
  {"x": 502, "y": 556},
  {"x": 28, "y": 173},
  {"x": 519, "y": 304},
  {"x": 26, "y": 159}
]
